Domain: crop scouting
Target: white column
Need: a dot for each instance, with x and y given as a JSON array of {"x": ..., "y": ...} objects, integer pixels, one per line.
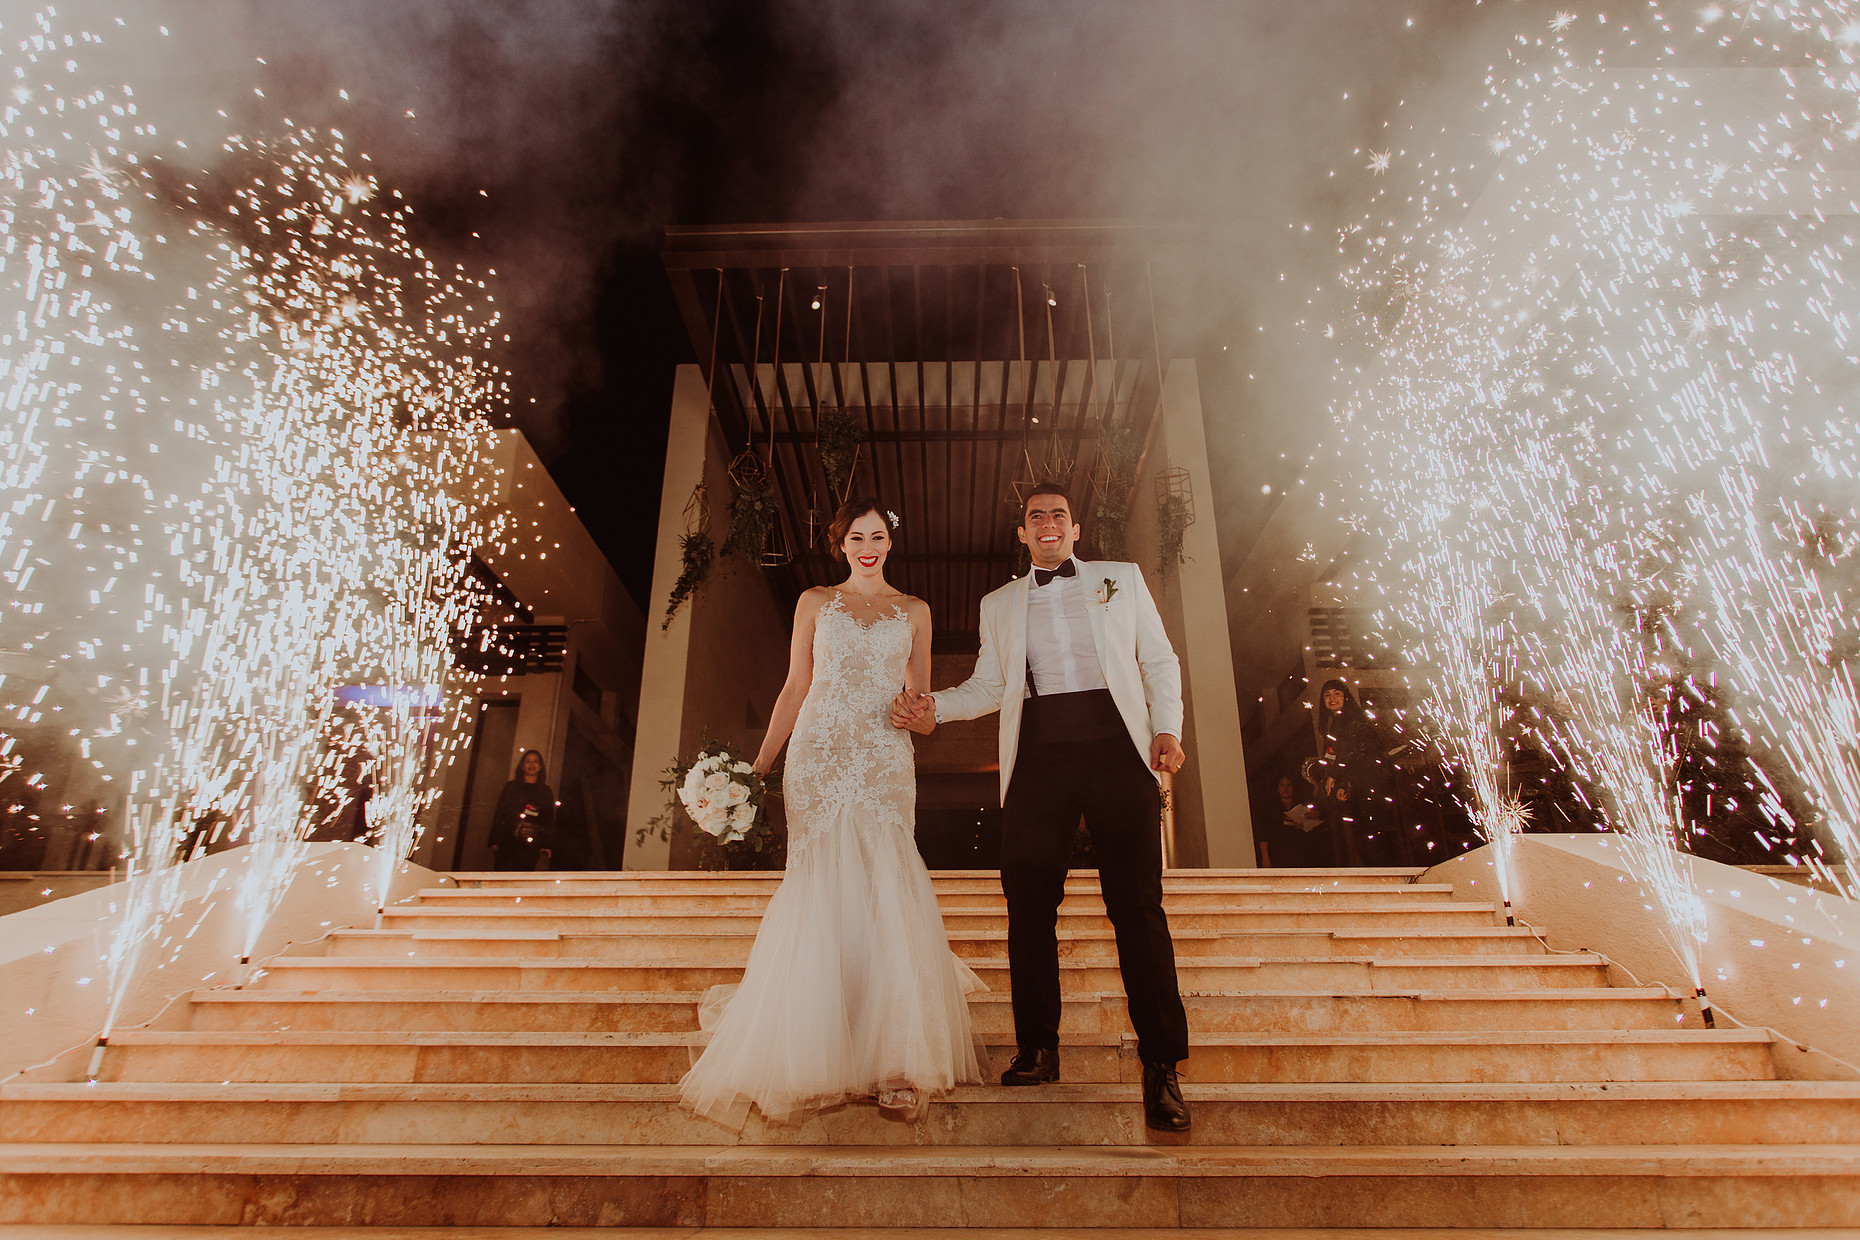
[
  {"x": 662, "y": 675},
  {"x": 1207, "y": 650}
]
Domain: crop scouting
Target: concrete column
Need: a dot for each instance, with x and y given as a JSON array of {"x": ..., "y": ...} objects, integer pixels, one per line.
[
  {"x": 662, "y": 676},
  {"x": 1193, "y": 600}
]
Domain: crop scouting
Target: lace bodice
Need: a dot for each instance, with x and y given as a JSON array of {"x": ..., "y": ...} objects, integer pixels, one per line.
[{"x": 848, "y": 768}]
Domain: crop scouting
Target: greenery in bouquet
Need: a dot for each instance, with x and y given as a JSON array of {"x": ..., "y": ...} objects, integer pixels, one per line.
[{"x": 717, "y": 798}]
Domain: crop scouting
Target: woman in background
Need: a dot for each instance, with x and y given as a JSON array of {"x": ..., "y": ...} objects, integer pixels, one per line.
[
  {"x": 1352, "y": 782},
  {"x": 523, "y": 828}
]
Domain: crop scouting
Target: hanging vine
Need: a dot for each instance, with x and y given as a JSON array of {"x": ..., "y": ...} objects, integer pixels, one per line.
[
  {"x": 699, "y": 554},
  {"x": 1173, "y": 517}
]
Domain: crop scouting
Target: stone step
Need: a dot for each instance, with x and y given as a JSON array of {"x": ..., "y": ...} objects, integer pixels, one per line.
[
  {"x": 1262, "y": 1012},
  {"x": 136, "y": 1231},
  {"x": 1272, "y": 1113},
  {"x": 1199, "y": 974},
  {"x": 775, "y": 1186},
  {"x": 528, "y": 1056},
  {"x": 729, "y": 947},
  {"x": 1476, "y": 936},
  {"x": 942, "y": 880},
  {"x": 1361, "y": 901}
]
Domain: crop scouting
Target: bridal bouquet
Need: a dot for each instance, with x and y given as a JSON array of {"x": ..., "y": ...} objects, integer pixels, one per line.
[
  {"x": 719, "y": 793},
  {"x": 722, "y": 794}
]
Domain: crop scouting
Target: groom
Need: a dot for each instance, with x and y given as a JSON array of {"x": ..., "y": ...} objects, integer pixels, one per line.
[{"x": 1075, "y": 658}]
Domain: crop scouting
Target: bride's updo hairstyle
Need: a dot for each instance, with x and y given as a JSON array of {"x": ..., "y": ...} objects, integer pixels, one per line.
[{"x": 842, "y": 522}]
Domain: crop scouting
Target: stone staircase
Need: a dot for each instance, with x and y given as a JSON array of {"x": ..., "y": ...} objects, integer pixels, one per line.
[{"x": 1367, "y": 1052}]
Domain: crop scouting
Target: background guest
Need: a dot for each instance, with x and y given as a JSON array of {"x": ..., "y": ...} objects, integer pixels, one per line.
[
  {"x": 523, "y": 828},
  {"x": 1352, "y": 784}
]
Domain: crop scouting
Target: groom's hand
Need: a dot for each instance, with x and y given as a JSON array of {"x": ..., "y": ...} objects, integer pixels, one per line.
[
  {"x": 1166, "y": 753},
  {"x": 914, "y": 712}
]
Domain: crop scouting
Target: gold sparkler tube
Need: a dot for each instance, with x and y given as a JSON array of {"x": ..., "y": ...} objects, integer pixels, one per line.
[
  {"x": 96, "y": 1057},
  {"x": 1705, "y": 1007}
]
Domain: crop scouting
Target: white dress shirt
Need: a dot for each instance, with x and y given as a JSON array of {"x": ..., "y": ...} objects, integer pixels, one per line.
[
  {"x": 1060, "y": 651},
  {"x": 1061, "y": 654}
]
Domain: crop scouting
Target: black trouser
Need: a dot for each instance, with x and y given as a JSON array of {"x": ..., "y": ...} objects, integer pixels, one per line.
[{"x": 1105, "y": 781}]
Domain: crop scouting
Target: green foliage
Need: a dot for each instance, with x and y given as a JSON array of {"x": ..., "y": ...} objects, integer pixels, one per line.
[
  {"x": 840, "y": 436},
  {"x": 1118, "y": 451},
  {"x": 1172, "y": 519},
  {"x": 699, "y": 552},
  {"x": 754, "y": 512}
]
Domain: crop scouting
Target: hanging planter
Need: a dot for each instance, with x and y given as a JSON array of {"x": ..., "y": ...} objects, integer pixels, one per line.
[
  {"x": 1113, "y": 476},
  {"x": 1175, "y": 512},
  {"x": 755, "y": 514},
  {"x": 840, "y": 439},
  {"x": 699, "y": 554}
]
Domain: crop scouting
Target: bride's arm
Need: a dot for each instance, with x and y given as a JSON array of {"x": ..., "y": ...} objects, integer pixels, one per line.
[
  {"x": 794, "y": 690},
  {"x": 917, "y": 671}
]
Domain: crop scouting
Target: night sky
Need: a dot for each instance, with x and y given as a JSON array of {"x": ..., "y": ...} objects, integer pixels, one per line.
[{"x": 553, "y": 140}]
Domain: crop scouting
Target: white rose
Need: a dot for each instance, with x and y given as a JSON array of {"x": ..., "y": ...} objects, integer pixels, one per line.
[
  {"x": 743, "y": 768},
  {"x": 714, "y": 820},
  {"x": 694, "y": 783},
  {"x": 716, "y": 781},
  {"x": 736, "y": 794}
]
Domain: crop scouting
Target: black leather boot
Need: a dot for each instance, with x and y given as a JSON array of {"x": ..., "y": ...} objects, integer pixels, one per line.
[
  {"x": 1163, "y": 1108},
  {"x": 1032, "y": 1067}
]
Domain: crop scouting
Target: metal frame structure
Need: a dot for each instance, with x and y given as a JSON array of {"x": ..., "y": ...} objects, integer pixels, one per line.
[{"x": 970, "y": 353}]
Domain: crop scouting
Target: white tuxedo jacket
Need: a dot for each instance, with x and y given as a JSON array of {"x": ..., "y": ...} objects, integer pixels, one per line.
[{"x": 1139, "y": 664}]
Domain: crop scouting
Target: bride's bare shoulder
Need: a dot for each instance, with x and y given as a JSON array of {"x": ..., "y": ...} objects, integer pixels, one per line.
[
  {"x": 812, "y": 600},
  {"x": 915, "y": 607}
]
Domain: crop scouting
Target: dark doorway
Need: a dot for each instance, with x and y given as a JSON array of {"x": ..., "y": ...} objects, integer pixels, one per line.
[{"x": 493, "y": 746}]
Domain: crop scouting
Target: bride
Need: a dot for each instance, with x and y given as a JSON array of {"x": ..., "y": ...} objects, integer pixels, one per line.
[{"x": 851, "y": 990}]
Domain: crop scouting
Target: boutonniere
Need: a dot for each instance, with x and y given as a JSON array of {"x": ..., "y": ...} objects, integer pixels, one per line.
[{"x": 1107, "y": 590}]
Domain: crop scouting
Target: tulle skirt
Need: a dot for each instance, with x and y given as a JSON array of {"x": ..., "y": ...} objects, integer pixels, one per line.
[{"x": 850, "y": 988}]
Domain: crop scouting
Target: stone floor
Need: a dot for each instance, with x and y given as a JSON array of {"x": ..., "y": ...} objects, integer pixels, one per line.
[{"x": 1367, "y": 1052}]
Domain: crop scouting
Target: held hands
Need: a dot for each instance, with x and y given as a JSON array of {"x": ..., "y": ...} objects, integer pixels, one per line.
[
  {"x": 1166, "y": 753},
  {"x": 915, "y": 712}
]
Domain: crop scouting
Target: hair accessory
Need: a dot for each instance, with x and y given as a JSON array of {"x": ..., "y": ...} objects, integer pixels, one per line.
[{"x": 894, "y": 518}]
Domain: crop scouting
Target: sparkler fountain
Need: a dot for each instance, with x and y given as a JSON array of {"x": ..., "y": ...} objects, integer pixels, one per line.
[
  {"x": 1443, "y": 591},
  {"x": 247, "y": 417},
  {"x": 1612, "y": 349}
]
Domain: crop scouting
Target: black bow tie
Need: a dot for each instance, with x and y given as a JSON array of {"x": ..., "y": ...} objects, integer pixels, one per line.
[{"x": 1043, "y": 575}]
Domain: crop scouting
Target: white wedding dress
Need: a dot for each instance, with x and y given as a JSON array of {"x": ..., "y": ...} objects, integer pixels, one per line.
[{"x": 851, "y": 986}]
